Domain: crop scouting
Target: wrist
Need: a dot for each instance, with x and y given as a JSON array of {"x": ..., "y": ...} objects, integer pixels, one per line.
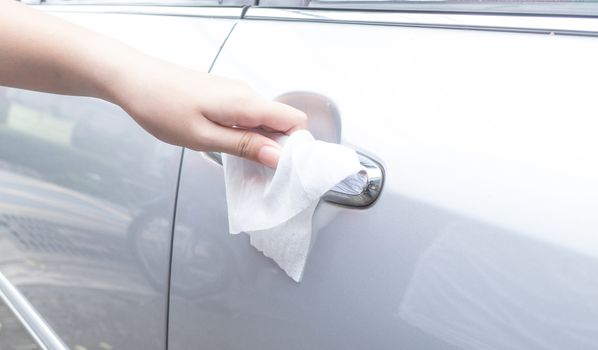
[
  {"x": 118, "y": 74},
  {"x": 113, "y": 84}
]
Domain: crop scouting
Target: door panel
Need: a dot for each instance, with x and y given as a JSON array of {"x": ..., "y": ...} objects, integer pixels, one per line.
[
  {"x": 87, "y": 196},
  {"x": 484, "y": 235}
]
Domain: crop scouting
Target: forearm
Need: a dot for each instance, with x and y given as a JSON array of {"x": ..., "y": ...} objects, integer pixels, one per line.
[{"x": 40, "y": 52}]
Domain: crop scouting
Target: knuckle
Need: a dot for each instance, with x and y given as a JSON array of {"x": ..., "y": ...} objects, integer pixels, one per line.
[{"x": 244, "y": 145}]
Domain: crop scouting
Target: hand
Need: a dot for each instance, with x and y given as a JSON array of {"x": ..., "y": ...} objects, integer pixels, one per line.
[{"x": 205, "y": 112}]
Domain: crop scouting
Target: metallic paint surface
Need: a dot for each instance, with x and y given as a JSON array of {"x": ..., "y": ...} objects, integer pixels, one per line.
[
  {"x": 12, "y": 331},
  {"x": 484, "y": 237},
  {"x": 485, "y": 234},
  {"x": 87, "y": 197}
]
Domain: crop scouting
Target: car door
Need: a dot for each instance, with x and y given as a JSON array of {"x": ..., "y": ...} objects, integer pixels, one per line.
[
  {"x": 484, "y": 236},
  {"x": 87, "y": 197}
]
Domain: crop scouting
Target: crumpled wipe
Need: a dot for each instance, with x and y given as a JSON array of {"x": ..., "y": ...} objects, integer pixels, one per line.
[{"x": 275, "y": 207}]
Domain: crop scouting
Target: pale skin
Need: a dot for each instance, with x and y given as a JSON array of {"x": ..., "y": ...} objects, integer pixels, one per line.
[{"x": 177, "y": 105}]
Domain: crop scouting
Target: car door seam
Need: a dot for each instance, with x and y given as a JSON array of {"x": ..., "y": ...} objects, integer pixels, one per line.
[
  {"x": 221, "y": 47},
  {"x": 172, "y": 229}
]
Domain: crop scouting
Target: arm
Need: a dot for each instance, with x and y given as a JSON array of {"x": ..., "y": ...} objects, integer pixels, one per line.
[{"x": 175, "y": 104}]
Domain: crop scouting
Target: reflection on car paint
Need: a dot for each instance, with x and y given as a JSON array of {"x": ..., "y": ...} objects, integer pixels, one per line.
[
  {"x": 477, "y": 287},
  {"x": 77, "y": 175}
]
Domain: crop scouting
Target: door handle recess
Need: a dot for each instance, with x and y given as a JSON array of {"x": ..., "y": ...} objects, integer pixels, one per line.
[{"x": 359, "y": 191}]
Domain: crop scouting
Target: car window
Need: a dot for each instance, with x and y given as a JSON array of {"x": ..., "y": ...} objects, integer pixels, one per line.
[
  {"x": 566, "y": 7},
  {"x": 134, "y": 2},
  {"x": 155, "y": 2}
]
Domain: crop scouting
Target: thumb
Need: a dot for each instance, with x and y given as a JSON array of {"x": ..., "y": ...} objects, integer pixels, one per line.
[{"x": 246, "y": 144}]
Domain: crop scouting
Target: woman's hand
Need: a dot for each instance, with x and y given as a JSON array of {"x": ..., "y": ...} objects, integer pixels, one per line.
[{"x": 204, "y": 112}]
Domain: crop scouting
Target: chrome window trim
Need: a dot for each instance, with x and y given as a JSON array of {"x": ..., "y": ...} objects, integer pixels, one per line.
[
  {"x": 40, "y": 331},
  {"x": 567, "y": 25},
  {"x": 180, "y": 11}
]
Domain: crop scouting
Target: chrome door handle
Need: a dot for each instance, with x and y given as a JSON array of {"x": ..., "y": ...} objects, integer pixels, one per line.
[{"x": 359, "y": 191}]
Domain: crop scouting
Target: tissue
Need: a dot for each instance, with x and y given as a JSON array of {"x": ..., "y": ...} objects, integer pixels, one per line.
[{"x": 275, "y": 207}]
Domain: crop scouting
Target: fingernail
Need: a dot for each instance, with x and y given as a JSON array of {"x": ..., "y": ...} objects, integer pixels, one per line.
[{"x": 269, "y": 156}]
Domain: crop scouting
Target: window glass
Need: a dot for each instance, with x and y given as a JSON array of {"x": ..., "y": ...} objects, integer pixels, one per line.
[
  {"x": 154, "y": 2},
  {"x": 567, "y": 7}
]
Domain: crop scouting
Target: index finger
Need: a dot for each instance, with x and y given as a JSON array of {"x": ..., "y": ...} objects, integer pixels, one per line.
[{"x": 278, "y": 116}]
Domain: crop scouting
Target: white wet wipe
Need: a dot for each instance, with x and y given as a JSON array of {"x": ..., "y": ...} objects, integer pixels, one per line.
[{"x": 275, "y": 207}]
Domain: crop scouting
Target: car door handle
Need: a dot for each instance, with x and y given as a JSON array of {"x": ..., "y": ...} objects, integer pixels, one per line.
[{"x": 358, "y": 191}]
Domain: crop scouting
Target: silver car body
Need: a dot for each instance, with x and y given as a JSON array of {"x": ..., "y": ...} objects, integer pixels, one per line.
[{"x": 484, "y": 236}]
